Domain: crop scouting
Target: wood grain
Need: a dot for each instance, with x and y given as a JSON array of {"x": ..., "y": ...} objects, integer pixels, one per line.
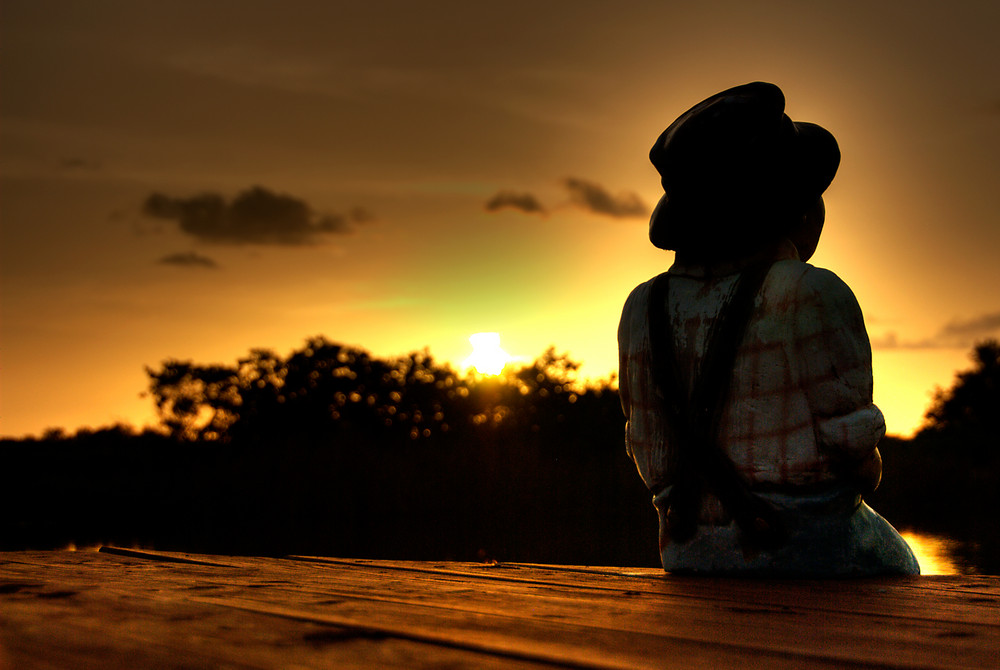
[{"x": 131, "y": 608}]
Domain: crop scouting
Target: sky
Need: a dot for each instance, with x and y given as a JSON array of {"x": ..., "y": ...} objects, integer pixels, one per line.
[{"x": 193, "y": 180}]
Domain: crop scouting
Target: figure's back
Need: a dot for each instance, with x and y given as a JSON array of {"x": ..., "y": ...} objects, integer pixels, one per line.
[{"x": 799, "y": 407}]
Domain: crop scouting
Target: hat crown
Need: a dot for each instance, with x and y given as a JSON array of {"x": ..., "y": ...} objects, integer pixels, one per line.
[
  {"x": 736, "y": 165},
  {"x": 724, "y": 142}
]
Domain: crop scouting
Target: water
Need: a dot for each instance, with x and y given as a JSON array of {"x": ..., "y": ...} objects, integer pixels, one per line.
[{"x": 937, "y": 555}]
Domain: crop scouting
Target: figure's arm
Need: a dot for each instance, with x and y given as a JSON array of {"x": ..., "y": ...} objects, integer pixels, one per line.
[
  {"x": 624, "y": 346},
  {"x": 837, "y": 376}
]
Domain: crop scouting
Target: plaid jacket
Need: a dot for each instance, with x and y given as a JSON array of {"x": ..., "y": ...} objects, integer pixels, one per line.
[{"x": 800, "y": 403}]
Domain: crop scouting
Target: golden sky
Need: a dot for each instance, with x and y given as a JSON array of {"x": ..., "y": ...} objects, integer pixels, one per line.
[{"x": 379, "y": 132}]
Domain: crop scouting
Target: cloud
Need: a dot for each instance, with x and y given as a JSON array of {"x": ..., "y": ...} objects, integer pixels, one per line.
[
  {"x": 975, "y": 328},
  {"x": 190, "y": 260},
  {"x": 360, "y": 215},
  {"x": 255, "y": 216},
  {"x": 524, "y": 202},
  {"x": 889, "y": 340},
  {"x": 585, "y": 194},
  {"x": 78, "y": 164},
  {"x": 596, "y": 199},
  {"x": 957, "y": 333}
]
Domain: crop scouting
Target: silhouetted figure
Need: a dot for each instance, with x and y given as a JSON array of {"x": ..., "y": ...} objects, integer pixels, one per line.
[{"x": 745, "y": 373}]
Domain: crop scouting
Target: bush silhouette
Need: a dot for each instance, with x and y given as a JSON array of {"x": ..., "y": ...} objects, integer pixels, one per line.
[
  {"x": 969, "y": 412},
  {"x": 332, "y": 451}
]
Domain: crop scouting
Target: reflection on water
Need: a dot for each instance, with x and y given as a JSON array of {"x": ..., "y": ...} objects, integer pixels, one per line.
[{"x": 936, "y": 555}]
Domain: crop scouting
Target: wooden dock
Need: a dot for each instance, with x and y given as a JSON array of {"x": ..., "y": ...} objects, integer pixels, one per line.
[{"x": 117, "y": 608}]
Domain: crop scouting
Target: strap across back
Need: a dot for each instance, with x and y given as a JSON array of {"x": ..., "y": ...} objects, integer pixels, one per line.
[{"x": 696, "y": 461}]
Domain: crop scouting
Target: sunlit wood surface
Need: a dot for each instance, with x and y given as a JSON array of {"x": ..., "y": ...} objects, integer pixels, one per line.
[{"x": 125, "y": 609}]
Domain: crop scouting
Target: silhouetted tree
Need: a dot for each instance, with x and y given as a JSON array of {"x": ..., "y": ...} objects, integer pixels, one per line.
[
  {"x": 970, "y": 410},
  {"x": 326, "y": 388},
  {"x": 315, "y": 392},
  {"x": 195, "y": 402}
]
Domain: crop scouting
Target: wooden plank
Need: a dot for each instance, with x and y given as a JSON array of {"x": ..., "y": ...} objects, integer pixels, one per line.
[
  {"x": 103, "y": 632},
  {"x": 302, "y": 583},
  {"x": 551, "y": 643},
  {"x": 965, "y": 601},
  {"x": 435, "y": 583},
  {"x": 649, "y": 627},
  {"x": 133, "y": 632},
  {"x": 535, "y": 615}
]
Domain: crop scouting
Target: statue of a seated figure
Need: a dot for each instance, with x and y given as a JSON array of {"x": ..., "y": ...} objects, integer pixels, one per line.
[{"x": 745, "y": 373}]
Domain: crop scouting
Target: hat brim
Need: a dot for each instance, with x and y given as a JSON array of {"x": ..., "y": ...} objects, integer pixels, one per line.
[{"x": 814, "y": 160}]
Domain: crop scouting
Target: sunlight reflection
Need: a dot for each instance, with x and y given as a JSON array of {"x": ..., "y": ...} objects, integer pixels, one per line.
[{"x": 935, "y": 554}]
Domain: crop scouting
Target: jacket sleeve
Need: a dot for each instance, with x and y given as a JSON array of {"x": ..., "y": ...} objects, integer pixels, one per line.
[
  {"x": 836, "y": 372},
  {"x": 624, "y": 376},
  {"x": 644, "y": 441}
]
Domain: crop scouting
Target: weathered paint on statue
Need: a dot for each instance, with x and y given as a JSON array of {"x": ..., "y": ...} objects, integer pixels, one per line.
[{"x": 759, "y": 468}]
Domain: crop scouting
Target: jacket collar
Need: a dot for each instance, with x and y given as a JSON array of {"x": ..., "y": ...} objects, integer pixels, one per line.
[{"x": 784, "y": 249}]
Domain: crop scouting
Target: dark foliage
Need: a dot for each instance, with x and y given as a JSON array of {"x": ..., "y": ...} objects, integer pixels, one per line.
[
  {"x": 946, "y": 480},
  {"x": 969, "y": 412},
  {"x": 331, "y": 451},
  {"x": 932, "y": 485}
]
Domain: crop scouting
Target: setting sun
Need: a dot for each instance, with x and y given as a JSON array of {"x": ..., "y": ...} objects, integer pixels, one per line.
[{"x": 487, "y": 357}]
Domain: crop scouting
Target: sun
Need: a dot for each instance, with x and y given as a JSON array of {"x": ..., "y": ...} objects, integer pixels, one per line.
[{"x": 487, "y": 357}]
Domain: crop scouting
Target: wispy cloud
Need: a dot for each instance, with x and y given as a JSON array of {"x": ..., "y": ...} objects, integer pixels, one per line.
[
  {"x": 189, "y": 260},
  {"x": 524, "y": 202},
  {"x": 976, "y": 327},
  {"x": 255, "y": 216},
  {"x": 595, "y": 198},
  {"x": 587, "y": 195},
  {"x": 957, "y": 333},
  {"x": 77, "y": 163}
]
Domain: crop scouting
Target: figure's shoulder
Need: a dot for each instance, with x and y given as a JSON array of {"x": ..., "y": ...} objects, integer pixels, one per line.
[
  {"x": 804, "y": 284},
  {"x": 633, "y": 318},
  {"x": 638, "y": 298},
  {"x": 805, "y": 279}
]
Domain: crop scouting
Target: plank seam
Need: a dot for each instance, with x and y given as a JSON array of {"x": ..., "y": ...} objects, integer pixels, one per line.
[
  {"x": 417, "y": 635},
  {"x": 161, "y": 558}
]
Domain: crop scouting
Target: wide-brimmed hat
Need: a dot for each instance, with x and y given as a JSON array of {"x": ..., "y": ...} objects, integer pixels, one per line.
[{"x": 736, "y": 171}]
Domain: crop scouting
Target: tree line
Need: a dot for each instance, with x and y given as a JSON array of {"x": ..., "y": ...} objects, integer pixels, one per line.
[
  {"x": 946, "y": 479},
  {"x": 325, "y": 390},
  {"x": 331, "y": 450}
]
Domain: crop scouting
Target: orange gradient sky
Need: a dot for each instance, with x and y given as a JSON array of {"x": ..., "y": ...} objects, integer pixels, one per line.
[{"x": 395, "y": 124}]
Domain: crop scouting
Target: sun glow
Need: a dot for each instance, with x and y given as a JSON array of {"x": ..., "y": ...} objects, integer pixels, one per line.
[{"x": 487, "y": 357}]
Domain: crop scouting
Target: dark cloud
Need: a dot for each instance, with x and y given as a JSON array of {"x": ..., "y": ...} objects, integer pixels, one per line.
[
  {"x": 78, "y": 164},
  {"x": 888, "y": 341},
  {"x": 360, "y": 215},
  {"x": 978, "y": 327},
  {"x": 524, "y": 202},
  {"x": 595, "y": 198},
  {"x": 333, "y": 223},
  {"x": 189, "y": 260},
  {"x": 960, "y": 333},
  {"x": 255, "y": 216},
  {"x": 891, "y": 340},
  {"x": 586, "y": 194}
]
